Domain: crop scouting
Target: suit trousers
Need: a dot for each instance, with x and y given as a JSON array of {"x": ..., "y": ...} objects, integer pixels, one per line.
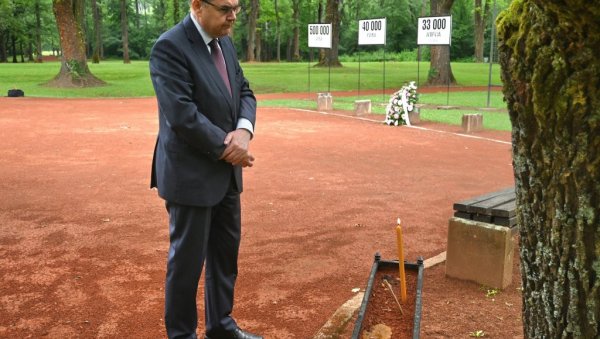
[{"x": 202, "y": 235}]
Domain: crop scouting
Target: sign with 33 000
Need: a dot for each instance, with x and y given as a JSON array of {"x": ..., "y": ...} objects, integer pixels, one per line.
[
  {"x": 434, "y": 30},
  {"x": 319, "y": 35},
  {"x": 372, "y": 32}
]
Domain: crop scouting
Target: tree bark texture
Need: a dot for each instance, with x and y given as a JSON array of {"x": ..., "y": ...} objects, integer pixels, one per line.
[
  {"x": 258, "y": 43},
  {"x": 278, "y": 32},
  {"x": 481, "y": 15},
  {"x": 38, "y": 32},
  {"x": 440, "y": 70},
  {"x": 74, "y": 71},
  {"x": 13, "y": 48},
  {"x": 550, "y": 69},
  {"x": 3, "y": 55},
  {"x": 161, "y": 14},
  {"x": 252, "y": 20},
  {"x": 296, "y": 32},
  {"x": 333, "y": 16},
  {"x": 125, "y": 32},
  {"x": 97, "y": 32}
]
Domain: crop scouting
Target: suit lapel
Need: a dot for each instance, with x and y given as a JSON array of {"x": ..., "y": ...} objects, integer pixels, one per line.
[{"x": 206, "y": 61}]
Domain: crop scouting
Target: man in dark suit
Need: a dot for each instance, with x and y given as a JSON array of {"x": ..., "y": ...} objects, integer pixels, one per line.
[{"x": 206, "y": 115}]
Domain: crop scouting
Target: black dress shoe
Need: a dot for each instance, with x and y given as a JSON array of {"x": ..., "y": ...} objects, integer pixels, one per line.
[{"x": 238, "y": 333}]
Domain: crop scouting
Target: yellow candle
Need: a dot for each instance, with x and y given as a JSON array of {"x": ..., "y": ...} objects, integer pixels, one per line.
[{"x": 401, "y": 262}]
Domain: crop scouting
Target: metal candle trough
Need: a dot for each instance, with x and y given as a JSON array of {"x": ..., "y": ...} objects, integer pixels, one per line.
[{"x": 377, "y": 264}]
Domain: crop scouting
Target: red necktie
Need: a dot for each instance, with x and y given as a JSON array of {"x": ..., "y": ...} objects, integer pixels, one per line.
[{"x": 217, "y": 56}]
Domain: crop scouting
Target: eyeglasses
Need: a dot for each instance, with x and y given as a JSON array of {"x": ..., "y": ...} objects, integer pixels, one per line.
[{"x": 225, "y": 9}]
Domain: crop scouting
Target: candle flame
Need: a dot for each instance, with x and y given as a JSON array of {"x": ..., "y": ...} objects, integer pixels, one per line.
[{"x": 398, "y": 221}]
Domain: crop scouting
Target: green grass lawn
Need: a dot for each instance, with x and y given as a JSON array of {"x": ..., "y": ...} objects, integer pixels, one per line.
[{"x": 133, "y": 80}]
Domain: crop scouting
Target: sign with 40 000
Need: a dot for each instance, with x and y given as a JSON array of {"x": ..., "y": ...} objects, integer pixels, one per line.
[{"x": 372, "y": 32}]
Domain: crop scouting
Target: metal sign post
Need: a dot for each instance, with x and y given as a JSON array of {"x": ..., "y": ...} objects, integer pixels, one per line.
[
  {"x": 436, "y": 30},
  {"x": 372, "y": 32},
  {"x": 320, "y": 36},
  {"x": 491, "y": 53}
]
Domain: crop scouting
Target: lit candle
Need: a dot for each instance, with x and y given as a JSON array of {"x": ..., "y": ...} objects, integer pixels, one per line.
[{"x": 401, "y": 262}]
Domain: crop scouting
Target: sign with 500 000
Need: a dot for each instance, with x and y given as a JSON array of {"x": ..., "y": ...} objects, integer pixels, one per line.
[{"x": 319, "y": 35}]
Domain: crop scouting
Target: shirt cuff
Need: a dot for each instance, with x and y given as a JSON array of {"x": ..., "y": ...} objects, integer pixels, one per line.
[{"x": 246, "y": 124}]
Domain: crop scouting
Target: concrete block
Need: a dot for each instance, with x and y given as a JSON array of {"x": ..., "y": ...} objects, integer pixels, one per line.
[
  {"x": 414, "y": 117},
  {"x": 362, "y": 107},
  {"x": 480, "y": 252},
  {"x": 324, "y": 102},
  {"x": 472, "y": 123}
]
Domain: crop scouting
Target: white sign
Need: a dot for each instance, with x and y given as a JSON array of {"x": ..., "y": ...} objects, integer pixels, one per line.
[
  {"x": 372, "y": 32},
  {"x": 435, "y": 30},
  {"x": 319, "y": 35}
]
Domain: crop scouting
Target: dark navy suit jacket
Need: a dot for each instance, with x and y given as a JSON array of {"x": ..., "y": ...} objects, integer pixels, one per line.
[{"x": 196, "y": 112}]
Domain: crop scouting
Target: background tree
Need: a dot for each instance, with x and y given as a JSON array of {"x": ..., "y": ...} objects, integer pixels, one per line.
[
  {"x": 252, "y": 25},
  {"x": 74, "y": 71},
  {"x": 440, "y": 70},
  {"x": 277, "y": 31},
  {"x": 333, "y": 16},
  {"x": 550, "y": 67},
  {"x": 38, "y": 30},
  {"x": 279, "y": 27},
  {"x": 97, "y": 40},
  {"x": 5, "y": 14},
  {"x": 17, "y": 28},
  {"x": 160, "y": 17},
  {"x": 481, "y": 16},
  {"x": 296, "y": 30},
  {"x": 463, "y": 31},
  {"x": 125, "y": 31}
]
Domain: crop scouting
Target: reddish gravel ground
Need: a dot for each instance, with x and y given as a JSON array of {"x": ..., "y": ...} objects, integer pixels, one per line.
[{"x": 83, "y": 240}]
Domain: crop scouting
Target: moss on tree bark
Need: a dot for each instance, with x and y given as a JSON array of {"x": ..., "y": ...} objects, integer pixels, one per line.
[{"x": 551, "y": 73}]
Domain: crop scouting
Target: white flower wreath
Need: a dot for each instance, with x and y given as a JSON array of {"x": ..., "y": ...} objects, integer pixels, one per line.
[{"x": 401, "y": 103}]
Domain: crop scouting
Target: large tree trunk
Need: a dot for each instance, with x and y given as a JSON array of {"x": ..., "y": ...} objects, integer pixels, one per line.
[
  {"x": 38, "y": 32},
  {"x": 29, "y": 50},
  {"x": 334, "y": 17},
  {"x": 440, "y": 71},
  {"x": 3, "y": 55},
  {"x": 258, "y": 42},
  {"x": 97, "y": 32},
  {"x": 125, "y": 32},
  {"x": 14, "y": 48},
  {"x": 296, "y": 34},
  {"x": 481, "y": 16},
  {"x": 252, "y": 19},
  {"x": 550, "y": 66},
  {"x": 160, "y": 8},
  {"x": 278, "y": 32},
  {"x": 137, "y": 14},
  {"x": 74, "y": 71}
]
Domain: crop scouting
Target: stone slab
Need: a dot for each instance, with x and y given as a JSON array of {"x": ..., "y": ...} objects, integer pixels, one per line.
[
  {"x": 480, "y": 252},
  {"x": 340, "y": 319},
  {"x": 324, "y": 102},
  {"x": 362, "y": 107},
  {"x": 472, "y": 123}
]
